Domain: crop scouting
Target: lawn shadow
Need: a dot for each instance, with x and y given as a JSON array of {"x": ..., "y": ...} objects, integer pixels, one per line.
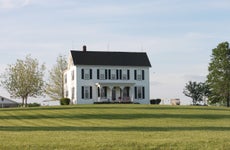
[
  {"x": 118, "y": 116},
  {"x": 101, "y": 129}
]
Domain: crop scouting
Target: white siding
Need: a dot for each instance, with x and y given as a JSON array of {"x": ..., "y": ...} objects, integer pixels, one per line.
[{"x": 78, "y": 82}]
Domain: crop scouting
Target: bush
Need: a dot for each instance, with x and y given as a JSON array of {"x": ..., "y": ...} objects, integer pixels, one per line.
[
  {"x": 64, "y": 101},
  {"x": 155, "y": 101},
  {"x": 33, "y": 105}
]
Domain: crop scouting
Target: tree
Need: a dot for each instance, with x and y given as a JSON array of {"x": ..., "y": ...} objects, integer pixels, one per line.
[
  {"x": 24, "y": 79},
  {"x": 55, "y": 86},
  {"x": 219, "y": 74},
  {"x": 197, "y": 91}
]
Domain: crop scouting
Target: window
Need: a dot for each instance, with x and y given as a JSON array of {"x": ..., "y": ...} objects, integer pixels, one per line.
[
  {"x": 139, "y": 75},
  {"x": 72, "y": 74},
  {"x": 73, "y": 92},
  {"x": 119, "y": 74},
  {"x": 113, "y": 74},
  {"x": 139, "y": 92},
  {"x": 103, "y": 74},
  {"x": 86, "y": 92},
  {"x": 86, "y": 74},
  {"x": 65, "y": 78},
  {"x": 113, "y": 77},
  {"x": 104, "y": 92},
  {"x": 66, "y": 93},
  {"x": 124, "y": 77}
]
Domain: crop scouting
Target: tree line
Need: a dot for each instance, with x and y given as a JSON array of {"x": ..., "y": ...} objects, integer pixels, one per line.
[{"x": 216, "y": 88}]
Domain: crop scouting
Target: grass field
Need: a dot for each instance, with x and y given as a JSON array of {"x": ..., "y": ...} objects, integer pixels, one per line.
[{"x": 127, "y": 126}]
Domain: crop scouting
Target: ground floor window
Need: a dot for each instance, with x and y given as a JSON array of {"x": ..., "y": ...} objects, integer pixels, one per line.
[
  {"x": 86, "y": 92},
  {"x": 139, "y": 92}
]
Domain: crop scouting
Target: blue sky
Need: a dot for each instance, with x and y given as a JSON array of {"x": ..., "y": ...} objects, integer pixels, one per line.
[{"x": 178, "y": 35}]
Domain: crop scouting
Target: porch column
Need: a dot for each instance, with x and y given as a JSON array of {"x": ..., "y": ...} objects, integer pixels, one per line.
[
  {"x": 122, "y": 89},
  {"x": 98, "y": 92},
  {"x": 110, "y": 96},
  {"x": 131, "y": 93},
  {"x": 99, "y": 96}
]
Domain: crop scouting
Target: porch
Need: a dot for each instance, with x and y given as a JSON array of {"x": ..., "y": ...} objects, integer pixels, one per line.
[{"x": 115, "y": 92}]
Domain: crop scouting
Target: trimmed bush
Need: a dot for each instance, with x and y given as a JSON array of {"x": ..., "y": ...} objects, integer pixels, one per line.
[
  {"x": 33, "y": 105},
  {"x": 64, "y": 101},
  {"x": 155, "y": 101}
]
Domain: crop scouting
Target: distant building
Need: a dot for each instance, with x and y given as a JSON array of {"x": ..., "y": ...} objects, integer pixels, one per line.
[
  {"x": 175, "y": 101},
  {"x": 97, "y": 76},
  {"x": 5, "y": 103}
]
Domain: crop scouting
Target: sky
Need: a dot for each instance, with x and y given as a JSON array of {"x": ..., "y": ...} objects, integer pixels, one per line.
[{"x": 177, "y": 35}]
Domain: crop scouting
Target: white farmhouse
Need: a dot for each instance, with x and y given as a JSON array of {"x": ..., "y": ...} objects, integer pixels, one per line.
[{"x": 97, "y": 76}]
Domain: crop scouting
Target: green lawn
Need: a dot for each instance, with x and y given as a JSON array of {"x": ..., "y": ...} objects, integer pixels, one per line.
[{"x": 120, "y": 126}]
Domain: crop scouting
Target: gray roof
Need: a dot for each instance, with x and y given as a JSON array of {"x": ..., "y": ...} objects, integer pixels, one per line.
[{"x": 110, "y": 58}]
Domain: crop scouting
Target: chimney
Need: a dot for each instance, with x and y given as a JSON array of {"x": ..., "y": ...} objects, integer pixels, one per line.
[{"x": 84, "y": 48}]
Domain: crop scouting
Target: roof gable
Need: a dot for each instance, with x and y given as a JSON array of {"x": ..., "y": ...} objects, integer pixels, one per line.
[{"x": 110, "y": 58}]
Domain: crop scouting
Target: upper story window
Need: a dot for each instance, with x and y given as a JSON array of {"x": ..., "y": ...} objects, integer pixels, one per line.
[
  {"x": 125, "y": 75},
  {"x": 139, "y": 75},
  {"x": 72, "y": 74},
  {"x": 65, "y": 78},
  {"x": 86, "y": 74},
  {"x": 113, "y": 74},
  {"x": 102, "y": 74}
]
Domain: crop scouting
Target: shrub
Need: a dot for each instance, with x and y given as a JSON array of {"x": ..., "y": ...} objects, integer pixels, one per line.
[
  {"x": 155, "y": 101},
  {"x": 34, "y": 105},
  {"x": 64, "y": 101}
]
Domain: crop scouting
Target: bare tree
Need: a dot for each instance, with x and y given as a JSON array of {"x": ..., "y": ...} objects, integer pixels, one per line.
[{"x": 55, "y": 86}]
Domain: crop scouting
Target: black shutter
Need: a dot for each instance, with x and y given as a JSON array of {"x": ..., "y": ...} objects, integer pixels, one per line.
[
  {"x": 90, "y": 73},
  {"x": 105, "y": 91},
  {"x": 98, "y": 92},
  {"x": 117, "y": 74},
  {"x": 98, "y": 74},
  {"x": 82, "y": 92},
  {"x": 120, "y": 74},
  {"x": 143, "y": 75},
  {"x": 106, "y": 74},
  {"x": 82, "y": 73},
  {"x": 128, "y": 77},
  {"x": 135, "y": 90},
  {"x": 91, "y": 92},
  {"x": 109, "y": 74},
  {"x": 143, "y": 92},
  {"x": 135, "y": 74}
]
